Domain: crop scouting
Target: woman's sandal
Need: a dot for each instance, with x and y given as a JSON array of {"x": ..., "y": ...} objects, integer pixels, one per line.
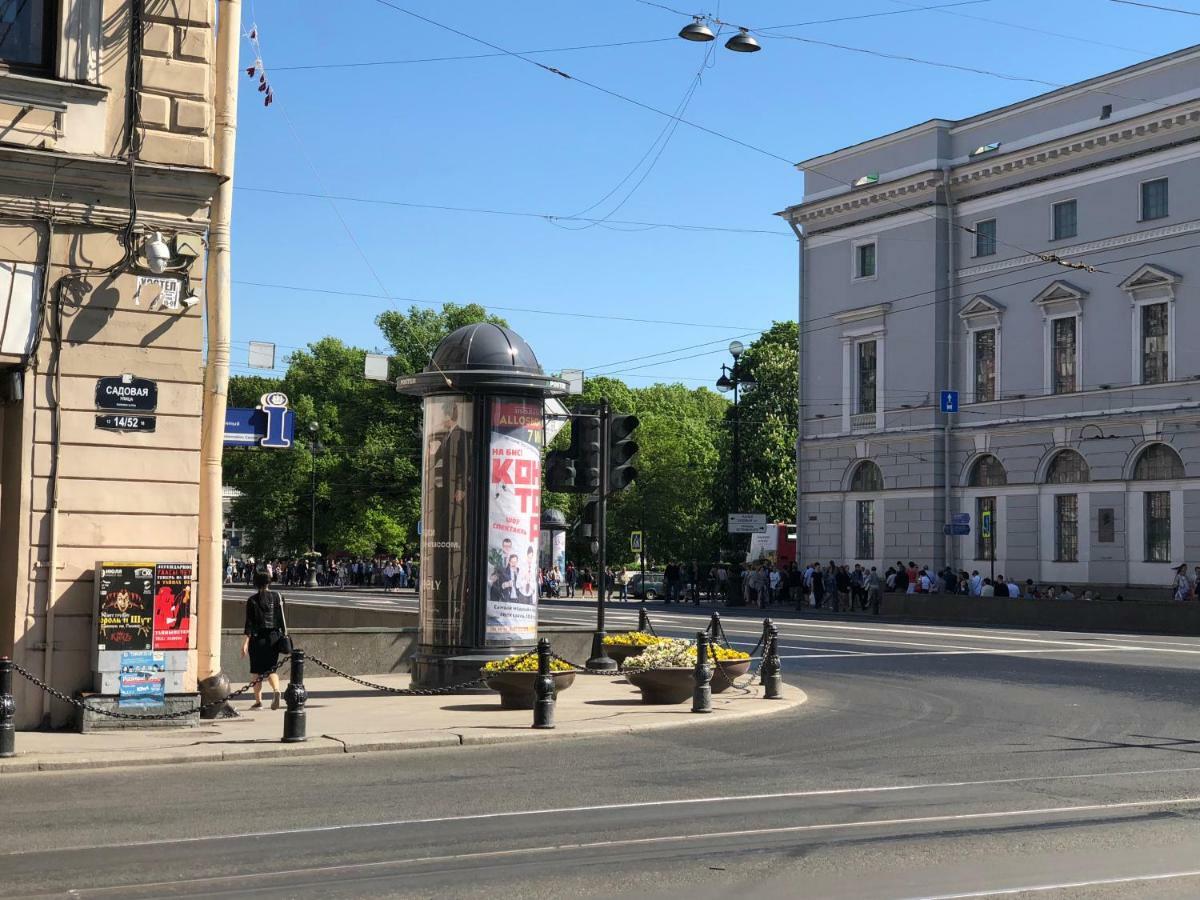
[
  {"x": 275, "y": 702},
  {"x": 257, "y": 704}
]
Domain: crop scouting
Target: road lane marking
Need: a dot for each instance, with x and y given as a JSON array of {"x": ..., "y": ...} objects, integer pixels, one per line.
[
  {"x": 990, "y": 651},
  {"x": 1041, "y": 888},
  {"x": 242, "y": 878},
  {"x": 637, "y": 804}
]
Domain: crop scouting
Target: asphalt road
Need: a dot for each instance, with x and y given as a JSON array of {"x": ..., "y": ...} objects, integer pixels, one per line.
[{"x": 929, "y": 762}]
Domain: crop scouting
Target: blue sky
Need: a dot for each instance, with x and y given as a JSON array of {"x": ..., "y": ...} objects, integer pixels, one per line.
[{"x": 500, "y": 134}]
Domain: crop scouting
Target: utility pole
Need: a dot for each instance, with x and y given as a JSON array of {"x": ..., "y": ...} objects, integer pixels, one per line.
[
  {"x": 213, "y": 683},
  {"x": 600, "y": 659}
]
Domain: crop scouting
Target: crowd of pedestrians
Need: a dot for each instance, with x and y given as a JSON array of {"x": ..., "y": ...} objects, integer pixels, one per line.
[{"x": 392, "y": 573}]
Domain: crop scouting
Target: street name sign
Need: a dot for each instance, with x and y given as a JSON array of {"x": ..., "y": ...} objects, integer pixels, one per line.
[
  {"x": 961, "y": 519},
  {"x": 956, "y": 529},
  {"x": 747, "y": 523},
  {"x": 125, "y": 392}
]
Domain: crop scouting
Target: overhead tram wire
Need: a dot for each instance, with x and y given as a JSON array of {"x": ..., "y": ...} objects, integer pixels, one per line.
[
  {"x": 957, "y": 298},
  {"x": 679, "y": 226},
  {"x": 1174, "y": 9},
  {"x": 392, "y": 298},
  {"x": 1047, "y": 257}
]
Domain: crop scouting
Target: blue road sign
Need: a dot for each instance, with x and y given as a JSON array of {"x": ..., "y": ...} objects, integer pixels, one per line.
[
  {"x": 949, "y": 401},
  {"x": 956, "y": 529},
  {"x": 961, "y": 519},
  {"x": 248, "y": 427}
]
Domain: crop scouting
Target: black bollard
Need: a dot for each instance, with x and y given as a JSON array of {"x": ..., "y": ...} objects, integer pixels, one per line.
[
  {"x": 702, "y": 693},
  {"x": 295, "y": 718},
  {"x": 714, "y": 626},
  {"x": 772, "y": 680},
  {"x": 543, "y": 688},
  {"x": 643, "y": 619},
  {"x": 762, "y": 642},
  {"x": 8, "y": 710}
]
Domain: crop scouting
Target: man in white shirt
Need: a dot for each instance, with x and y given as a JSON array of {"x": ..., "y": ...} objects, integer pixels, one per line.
[
  {"x": 926, "y": 583},
  {"x": 988, "y": 589},
  {"x": 976, "y": 584},
  {"x": 1014, "y": 589}
]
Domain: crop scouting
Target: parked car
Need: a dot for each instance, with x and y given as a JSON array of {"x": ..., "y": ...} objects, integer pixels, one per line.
[{"x": 652, "y": 588}]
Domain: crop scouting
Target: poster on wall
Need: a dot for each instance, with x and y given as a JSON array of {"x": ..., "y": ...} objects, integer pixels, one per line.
[
  {"x": 514, "y": 520},
  {"x": 172, "y": 606},
  {"x": 125, "y": 613},
  {"x": 143, "y": 679},
  {"x": 449, "y": 452}
]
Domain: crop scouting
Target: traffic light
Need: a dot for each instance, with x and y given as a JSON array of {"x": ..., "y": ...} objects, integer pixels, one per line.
[
  {"x": 560, "y": 471},
  {"x": 587, "y": 519},
  {"x": 585, "y": 450},
  {"x": 621, "y": 449}
]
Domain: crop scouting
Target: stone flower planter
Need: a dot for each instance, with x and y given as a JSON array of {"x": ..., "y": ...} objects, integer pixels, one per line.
[
  {"x": 663, "y": 686},
  {"x": 726, "y": 671},
  {"x": 516, "y": 688},
  {"x": 621, "y": 652}
]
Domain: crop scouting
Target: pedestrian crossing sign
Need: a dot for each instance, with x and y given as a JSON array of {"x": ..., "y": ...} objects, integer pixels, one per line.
[{"x": 635, "y": 541}]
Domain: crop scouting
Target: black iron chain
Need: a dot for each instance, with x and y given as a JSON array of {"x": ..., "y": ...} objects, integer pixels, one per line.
[
  {"x": 584, "y": 670},
  {"x": 420, "y": 692},
  {"x": 179, "y": 714}
]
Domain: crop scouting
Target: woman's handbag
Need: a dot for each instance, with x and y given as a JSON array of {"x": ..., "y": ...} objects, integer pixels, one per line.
[{"x": 283, "y": 644}]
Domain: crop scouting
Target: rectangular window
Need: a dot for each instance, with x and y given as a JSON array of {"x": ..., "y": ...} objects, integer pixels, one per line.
[
  {"x": 1158, "y": 526},
  {"x": 985, "y": 365},
  {"x": 864, "y": 544},
  {"x": 985, "y": 238},
  {"x": 985, "y": 533},
  {"x": 27, "y": 33},
  {"x": 1063, "y": 347},
  {"x": 864, "y": 261},
  {"x": 866, "y": 377},
  {"x": 1154, "y": 343},
  {"x": 1066, "y": 528},
  {"x": 1154, "y": 199},
  {"x": 1066, "y": 223}
]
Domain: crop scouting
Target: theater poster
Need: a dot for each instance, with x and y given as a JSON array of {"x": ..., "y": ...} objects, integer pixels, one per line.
[
  {"x": 514, "y": 520},
  {"x": 125, "y": 605},
  {"x": 172, "y": 606}
]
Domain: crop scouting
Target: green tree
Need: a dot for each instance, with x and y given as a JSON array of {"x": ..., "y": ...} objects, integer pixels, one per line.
[
  {"x": 368, "y": 460},
  {"x": 767, "y": 421}
]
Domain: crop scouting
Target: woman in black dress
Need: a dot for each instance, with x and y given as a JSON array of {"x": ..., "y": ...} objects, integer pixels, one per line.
[{"x": 264, "y": 636}]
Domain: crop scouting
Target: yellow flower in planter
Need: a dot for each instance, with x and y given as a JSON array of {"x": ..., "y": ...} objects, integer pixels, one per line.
[
  {"x": 632, "y": 639},
  {"x": 722, "y": 654},
  {"x": 522, "y": 662}
]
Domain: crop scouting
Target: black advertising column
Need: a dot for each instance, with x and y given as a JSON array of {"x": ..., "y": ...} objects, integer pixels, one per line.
[{"x": 483, "y": 394}]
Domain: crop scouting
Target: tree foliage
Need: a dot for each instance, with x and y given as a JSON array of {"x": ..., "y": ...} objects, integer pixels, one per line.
[
  {"x": 367, "y": 459},
  {"x": 766, "y": 420}
]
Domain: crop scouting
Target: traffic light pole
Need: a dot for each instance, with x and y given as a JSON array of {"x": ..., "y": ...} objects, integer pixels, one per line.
[{"x": 600, "y": 659}]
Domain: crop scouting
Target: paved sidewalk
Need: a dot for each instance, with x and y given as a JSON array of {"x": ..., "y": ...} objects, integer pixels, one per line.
[{"x": 346, "y": 718}]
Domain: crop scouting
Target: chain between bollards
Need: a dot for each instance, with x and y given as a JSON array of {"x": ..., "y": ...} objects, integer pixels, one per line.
[
  {"x": 295, "y": 718},
  {"x": 702, "y": 693},
  {"x": 543, "y": 688},
  {"x": 772, "y": 680},
  {"x": 8, "y": 710}
]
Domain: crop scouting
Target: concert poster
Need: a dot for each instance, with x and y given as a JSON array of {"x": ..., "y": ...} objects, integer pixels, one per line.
[
  {"x": 125, "y": 612},
  {"x": 172, "y": 606}
]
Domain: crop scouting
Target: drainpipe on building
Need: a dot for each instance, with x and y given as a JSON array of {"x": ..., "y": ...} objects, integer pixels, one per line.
[
  {"x": 799, "y": 381},
  {"x": 948, "y": 423},
  {"x": 213, "y": 683}
]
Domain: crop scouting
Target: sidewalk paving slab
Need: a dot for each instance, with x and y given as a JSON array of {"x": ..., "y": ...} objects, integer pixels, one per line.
[{"x": 343, "y": 717}]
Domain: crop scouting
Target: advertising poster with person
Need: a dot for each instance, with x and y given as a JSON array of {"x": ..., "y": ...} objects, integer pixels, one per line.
[
  {"x": 514, "y": 520},
  {"x": 172, "y": 606},
  {"x": 125, "y": 613},
  {"x": 445, "y": 575}
]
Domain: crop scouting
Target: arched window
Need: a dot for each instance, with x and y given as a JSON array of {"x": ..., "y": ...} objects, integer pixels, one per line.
[
  {"x": 987, "y": 472},
  {"x": 1068, "y": 467},
  {"x": 1158, "y": 462},
  {"x": 866, "y": 477}
]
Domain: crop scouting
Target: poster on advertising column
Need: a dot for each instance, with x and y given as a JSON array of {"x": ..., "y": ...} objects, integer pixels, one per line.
[
  {"x": 514, "y": 520},
  {"x": 172, "y": 606},
  {"x": 125, "y": 613}
]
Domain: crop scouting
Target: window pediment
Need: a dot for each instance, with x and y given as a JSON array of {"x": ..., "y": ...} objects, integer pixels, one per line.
[
  {"x": 1060, "y": 297},
  {"x": 1151, "y": 282},
  {"x": 980, "y": 305}
]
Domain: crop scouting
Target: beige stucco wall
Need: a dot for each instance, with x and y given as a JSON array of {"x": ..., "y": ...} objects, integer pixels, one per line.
[{"x": 122, "y": 496}]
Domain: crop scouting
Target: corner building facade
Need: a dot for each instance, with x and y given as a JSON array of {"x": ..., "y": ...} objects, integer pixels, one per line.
[
  {"x": 929, "y": 264},
  {"x": 86, "y": 139}
]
